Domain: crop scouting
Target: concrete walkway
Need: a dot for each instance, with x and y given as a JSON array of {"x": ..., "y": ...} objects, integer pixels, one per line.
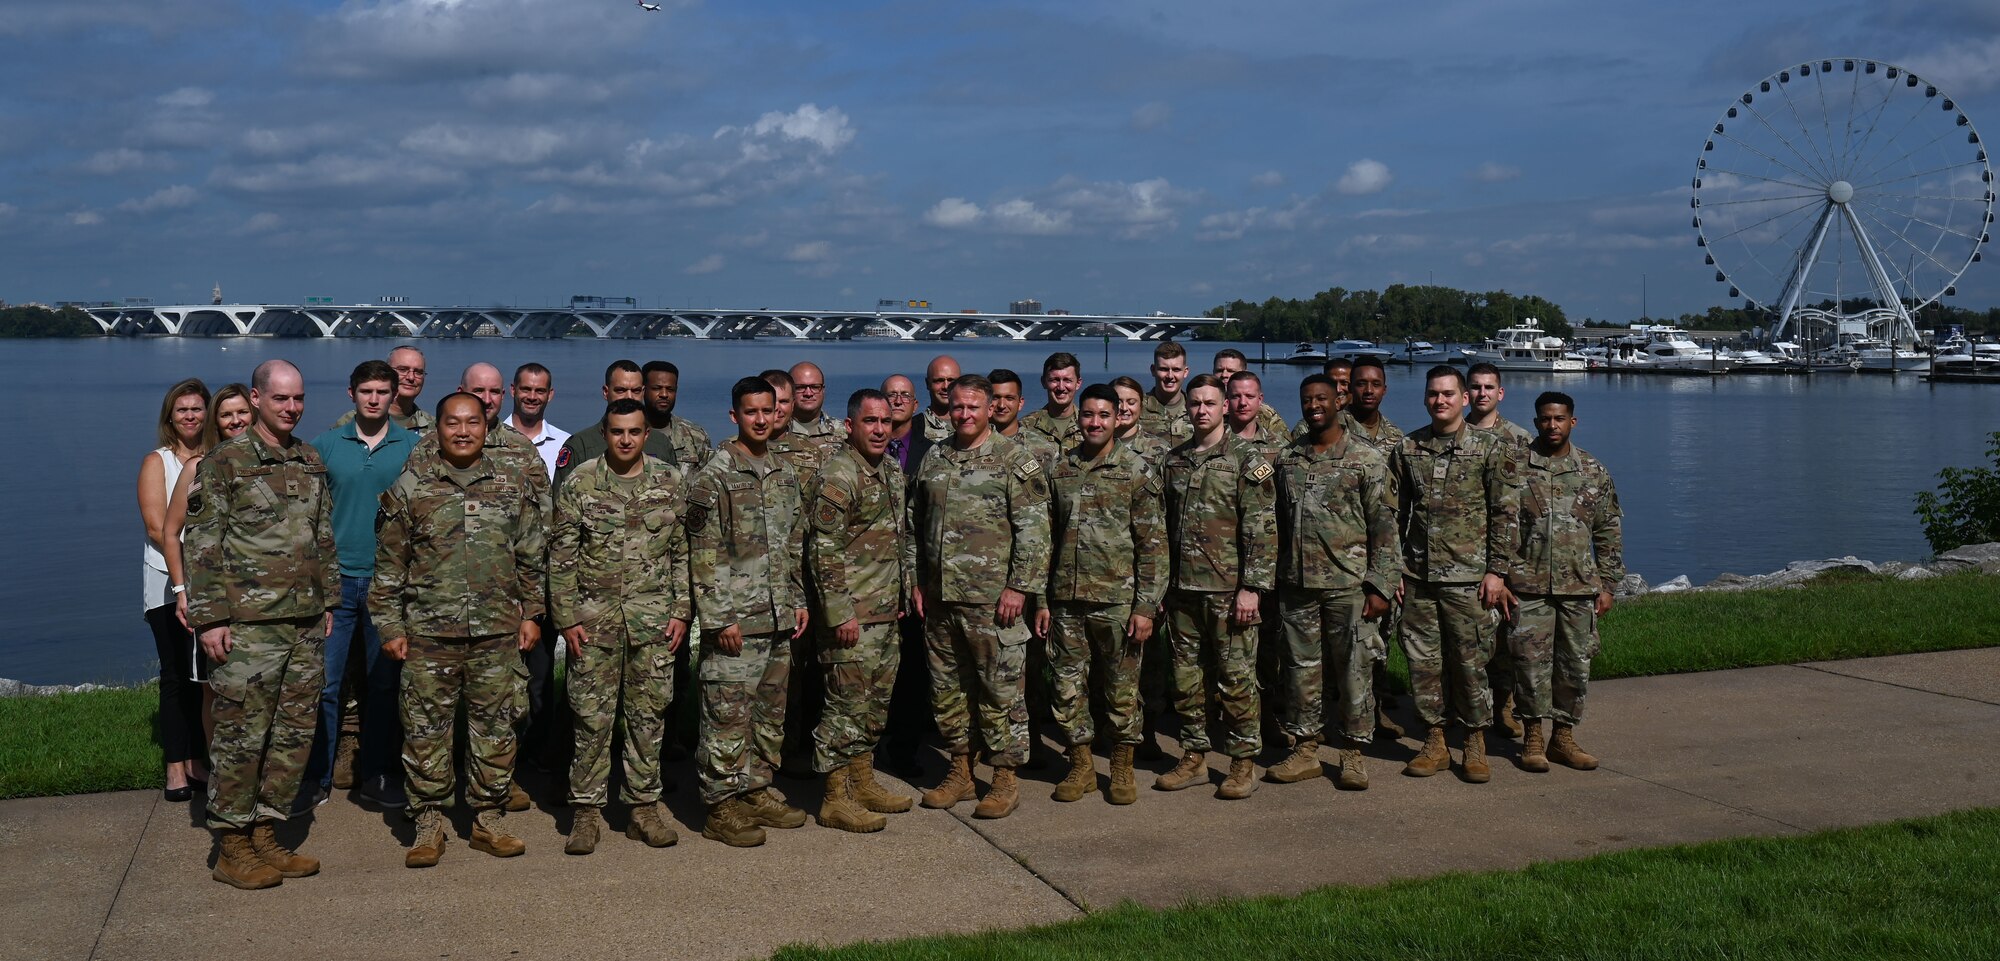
[{"x": 1764, "y": 751}]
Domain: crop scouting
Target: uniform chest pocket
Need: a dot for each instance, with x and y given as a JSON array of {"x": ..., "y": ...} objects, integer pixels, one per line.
[
  {"x": 260, "y": 487},
  {"x": 659, "y": 519},
  {"x": 603, "y": 522},
  {"x": 433, "y": 516}
]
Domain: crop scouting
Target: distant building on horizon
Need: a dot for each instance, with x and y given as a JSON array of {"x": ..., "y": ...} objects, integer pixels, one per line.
[{"x": 1029, "y": 306}]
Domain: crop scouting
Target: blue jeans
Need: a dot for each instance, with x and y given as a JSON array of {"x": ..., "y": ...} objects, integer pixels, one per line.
[{"x": 381, "y": 729}]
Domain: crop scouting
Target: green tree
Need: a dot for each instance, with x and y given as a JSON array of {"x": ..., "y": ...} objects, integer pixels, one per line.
[{"x": 1965, "y": 509}]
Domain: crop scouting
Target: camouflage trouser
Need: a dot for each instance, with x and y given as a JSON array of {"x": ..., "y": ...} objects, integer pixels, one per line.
[
  {"x": 859, "y": 680},
  {"x": 1448, "y": 638},
  {"x": 1087, "y": 642},
  {"x": 618, "y": 666},
  {"x": 1500, "y": 670},
  {"x": 1323, "y": 639},
  {"x": 487, "y": 675},
  {"x": 1374, "y": 635},
  {"x": 978, "y": 666},
  {"x": 266, "y": 709},
  {"x": 1211, "y": 651},
  {"x": 742, "y": 713},
  {"x": 1554, "y": 640}
]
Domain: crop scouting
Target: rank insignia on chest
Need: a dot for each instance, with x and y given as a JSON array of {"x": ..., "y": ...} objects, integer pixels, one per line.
[
  {"x": 472, "y": 507},
  {"x": 1439, "y": 468},
  {"x": 291, "y": 487}
]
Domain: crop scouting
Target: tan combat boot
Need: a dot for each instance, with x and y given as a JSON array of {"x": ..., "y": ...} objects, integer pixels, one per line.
[
  {"x": 517, "y": 799},
  {"x": 1192, "y": 769},
  {"x": 264, "y": 840},
  {"x": 1534, "y": 750},
  {"x": 956, "y": 786},
  {"x": 429, "y": 844},
  {"x": 840, "y": 810},
  {"x": 861, "y": 784},
  {"x": 649, "y": 824},
  {"x": 1433, "y": 758},
  {"x": 237, "y": 863},
  {"x": 343, "y": 761},
  {"x": 489, "y": 834},
  {"x": 1353, "y": 770},
  {"x": 1002, "y": 798},
  {"x": 1303, "y": 764},
  {"x": 1241, "y": 782},
  {"x": 1474, "y": 768},
  {"x": 584, "y": 829},
  {"x": 1123, "y": 788},
  {"x": 765, "y": 808},
  {"x": 1563, "y": 750},
  {"x": 731, "y": 824},
  {"x": 1082, "y": 777},
  {"x": 1503, "y": 712}
]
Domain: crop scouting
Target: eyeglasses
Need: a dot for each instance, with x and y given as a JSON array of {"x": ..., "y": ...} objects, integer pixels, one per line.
[
  {"x": 903, "y": 394},
  {"x": 808, "y": 388},
  {"x": 409, "y": 371}
]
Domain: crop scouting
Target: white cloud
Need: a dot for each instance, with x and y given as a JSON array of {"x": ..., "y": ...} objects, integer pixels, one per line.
[
  {"x": 1152, "y": 116},
  {"x": 829, "y": 129},
  {"x": 85, "y": 218},
  {"x": 1233, "y": 224},
  {"x": 6, "y": 211},
  {"x": 1364, "y": 176},
  {"x": 1390, "y": 212},
  {"x": 953, "y": 212},
  {"x": 470, "y": 146},
  {"x": 385, "y": 174},
  {"x": 260, "y": 223},
  {"x": 116, "y": 161},
  {"x": 1961, "y": 66},
  {"x": 706, "y": 265},
  {"x": 166, "y": 198},
  {"x": 810, "y": 252},
  {"x": 1020, "y": 216},
  {"x": 1144, "y": 207},
  {"x": 1493, "y": 172},
  {"x": 1269, "y": 178},
  {"x": 188, "y": 97}
]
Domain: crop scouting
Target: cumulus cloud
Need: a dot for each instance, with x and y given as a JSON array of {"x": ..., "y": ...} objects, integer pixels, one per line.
[
  {"x": 1269, "y": 178},
  {"x": 1364, "y": 176},
  {"x": 477, "y": 145},
  {"x": 1020, "y": 216},
  {"x": 189, "y": 97},
  {"x": 166, "y": 198},
  {"x": 828, "y": 129},
  {"x": 428, "y": 41},
  {"x": 810, "y": 252},
  {"x": 1152, "y": 116},
  {"x": 1493, "y": 172},
  {"x": 1961, "y": 67},
  {"x": 953, "y": 212},
  {"x": 258, "y": 223},
  {"x": 116, "y": 161},
  {"x": 85, "y": 218},
  {"x": 1135, "y": 208},
  {"x": 1233, "y": 224},
  {"x": 706, "y": 265}
]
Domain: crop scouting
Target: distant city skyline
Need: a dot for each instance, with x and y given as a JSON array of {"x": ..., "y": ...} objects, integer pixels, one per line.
[{"x": 1095, "y": 156}]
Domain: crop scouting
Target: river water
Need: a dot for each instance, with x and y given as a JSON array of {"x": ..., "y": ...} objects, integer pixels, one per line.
[{"x": 1737, "y": 473}]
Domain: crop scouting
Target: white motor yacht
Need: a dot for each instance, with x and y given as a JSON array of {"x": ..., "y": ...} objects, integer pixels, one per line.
[
  {"x": 1357, "y": 349},
  {"x": 1668, "y": 348},
  {"x": 1423, "y": 352},
  {"x": 1525, "y": 346}
]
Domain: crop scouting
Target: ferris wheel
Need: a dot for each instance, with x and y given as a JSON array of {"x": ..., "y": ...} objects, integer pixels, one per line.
[{"x": 1842, "y": 180}]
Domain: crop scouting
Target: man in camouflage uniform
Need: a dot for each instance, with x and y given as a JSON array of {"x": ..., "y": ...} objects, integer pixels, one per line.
[
  {"x": 809, "y": 417},
  {"x": 1105, "y": 585},
  {"x": 1007, "y": 403},
  {"x": 1223, "y": 545},
  {"x": 1362, "y": 384},
  {"x": 979, "y": 545},
  {"x": 804, "y": 692},
  {"x": 459, "y": 582},
  {"x": 1482, "y": 412},
  {"x": 938, "y": 378},
  {"x": 619, "y": 594},
  {"x": 1339, "y": 563},
  {"x": 1243, "y": 404},
  {"x": 1062, "y": 377},
  {"x": 746, "y": 540},
  {"x": 625, "y": 380},
  {"x": 263, "y": 580},
  {"x": 1228, "y": 363},
  {"x": 1163, "y": 413},
  {"x": 1573, "y": 556},
  {"x": 1244, "y": 407},
  {"x": 408, "y": 363},
  {"x": 855, "y": 556},
  {"x": 1457, "y": 493}
]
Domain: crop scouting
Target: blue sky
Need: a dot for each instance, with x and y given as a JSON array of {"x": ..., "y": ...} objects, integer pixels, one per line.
[{"x": 1095, "y": 154}]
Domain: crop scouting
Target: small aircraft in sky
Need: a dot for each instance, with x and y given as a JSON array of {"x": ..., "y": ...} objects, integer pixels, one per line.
[{"x": 649, "y": 7}]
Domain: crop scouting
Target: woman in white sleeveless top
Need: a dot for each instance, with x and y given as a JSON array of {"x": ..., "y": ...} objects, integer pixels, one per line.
[{"x": 183, "y": 436}]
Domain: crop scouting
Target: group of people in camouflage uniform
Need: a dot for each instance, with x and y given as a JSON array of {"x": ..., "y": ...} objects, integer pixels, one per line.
[{"x": 1119, "y": 557}]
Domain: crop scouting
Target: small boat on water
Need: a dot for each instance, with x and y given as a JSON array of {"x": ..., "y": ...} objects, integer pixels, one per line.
[
  {"x": 1873, "y": 355},
  {"x": 1357, "y": 349},
  {"x": 1424, "y": 353},
  {"x": 1526, "y": 346},
  {"x": 1306, "y": 353},
  {"x": 1960, "y": 357}
]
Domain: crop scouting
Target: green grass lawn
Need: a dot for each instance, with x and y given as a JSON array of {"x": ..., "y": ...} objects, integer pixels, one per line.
[
  {"x": 103, "y": 740},
  {"x": 1914, "y": 889}
]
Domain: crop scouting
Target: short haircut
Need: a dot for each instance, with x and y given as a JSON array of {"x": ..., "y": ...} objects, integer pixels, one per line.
[
  {"x": 660, "y": 367},
  {"x": 1059, "y": 360},
  {"x": 1336, "y": 363},
  {"x": 1321, "y": 379},
  {"x": 260, "y": 379},
  {"x": 438, "y": 410},
  {"x": 1231, "y": 353},
  {"x": 192, "y": 385},
  {"x": 862, "y": 396},
  {"x": 1375, "y": 362},
  {"x": 533, "y": 368},
  {"x": 1246, "y": 375},
  {"x": 1555, "y": 397},
  {"x": 1101, "y": 392},
  {"x": 978, "y": 383},
  {"x": 1129, "y": 383},
  {"x": 998, "y": 376},
  {"x": 1201, "y": 380},
  {"x": 1483, "y": 367},
  {"x": 621, "y": 406},
  {"x": 1445, "y": 370},
  {"x": 419, "y": 351},
  {"x": 369, "y": 371},
  {"x": 777, "y": 378},
  {"x": 621, "y": 365},
  {"x": 750, "y": 387},
  {"x": 1168, "y": 350}
]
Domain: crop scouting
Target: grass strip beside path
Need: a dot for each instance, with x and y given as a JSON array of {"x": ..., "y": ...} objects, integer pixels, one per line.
[
  {"x": 1912, "y": 889},
  {"x": 80, "y": 743}
]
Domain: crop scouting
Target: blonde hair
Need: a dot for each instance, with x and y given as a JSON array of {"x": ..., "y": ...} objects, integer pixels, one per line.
[{"x": 211, "y": 433}]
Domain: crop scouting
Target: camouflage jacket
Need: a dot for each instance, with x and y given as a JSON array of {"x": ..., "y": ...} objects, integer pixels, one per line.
[
  {"x": 1572, "y": 538},
  {"x": 1509, "y": 432},
  {"x": 259, "y": 535},
  {"x": 1061, "y": 431},
  {"x": 1151, "y": 448},
  {"x": 458, "y": 560},
  {"x": 506, "y": 449},
  {"x": 1455, "y": 496},
  {"x": 1268, "y": 444},
  {"x": 1383, "y": 438},
  {"x": 822, "y": 428},
  {"x": 746, "y": 540},
  {"x": 1221, "y": 518},
  {"x": 804, "y": 453},
  {"x": 590, "y": 443},
  {"x": 979, "y": 522},
  {"x": 1337, "y": 519},
  {"x": 1039, "y": 445},
  {"x": 618, "y": 550},
  {"x": 1109, "y": 531},
  {"x": 420, "y": 422},
  {"x": 937, "y": 427},
  {"x": 1168, "y": 421},
  {"x": 1271, "y": 423},
  {"x": 855, "y": 553}
]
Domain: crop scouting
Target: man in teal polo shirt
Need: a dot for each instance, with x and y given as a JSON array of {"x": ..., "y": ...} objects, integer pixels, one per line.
[{"x": 363, "y": 458}]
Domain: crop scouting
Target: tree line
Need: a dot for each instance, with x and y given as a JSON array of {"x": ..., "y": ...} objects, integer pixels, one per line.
[
  {"x": 1399, "y": 313},
  {"x": 35, "y": 321}
]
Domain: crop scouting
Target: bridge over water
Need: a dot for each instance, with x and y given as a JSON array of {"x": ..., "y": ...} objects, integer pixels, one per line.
[{"x": 401, "y": 320}]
